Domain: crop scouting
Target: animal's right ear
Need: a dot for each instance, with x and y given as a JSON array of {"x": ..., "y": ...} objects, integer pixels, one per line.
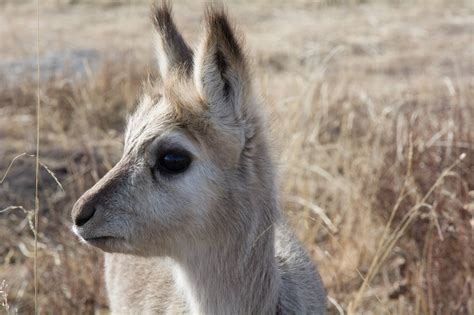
[{"x": 172, "y": 51}]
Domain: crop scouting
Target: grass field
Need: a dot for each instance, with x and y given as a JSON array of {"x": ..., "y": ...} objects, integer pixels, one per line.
[{"x": 372, "y": 109}]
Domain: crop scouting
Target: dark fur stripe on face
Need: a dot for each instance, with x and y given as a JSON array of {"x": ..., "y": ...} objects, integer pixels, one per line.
[{"x": 181, "y": 56}]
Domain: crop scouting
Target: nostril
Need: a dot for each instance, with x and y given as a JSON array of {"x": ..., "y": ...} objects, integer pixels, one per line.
[{"x": 85, "y": 215}]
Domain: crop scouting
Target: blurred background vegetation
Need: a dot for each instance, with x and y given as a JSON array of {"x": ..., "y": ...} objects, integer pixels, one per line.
[{"x": 371, "y": 104}]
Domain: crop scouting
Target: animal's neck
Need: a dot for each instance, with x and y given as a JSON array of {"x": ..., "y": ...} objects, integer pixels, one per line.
[
  {"x": 238, "y": 277},
  {"x": 233, "y": 269}
]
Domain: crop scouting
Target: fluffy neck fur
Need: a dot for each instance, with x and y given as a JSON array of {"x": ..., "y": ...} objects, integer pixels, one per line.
[
  {"x": 234, "y": 269},
  {"x": 228, "y": 278}
]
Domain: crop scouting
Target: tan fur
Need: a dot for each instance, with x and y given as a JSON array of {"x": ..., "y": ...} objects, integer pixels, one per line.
[{"x": 209, "y": 240}]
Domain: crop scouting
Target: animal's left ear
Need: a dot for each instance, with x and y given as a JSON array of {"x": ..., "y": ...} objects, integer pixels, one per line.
[{"x": 220, "y": 70}]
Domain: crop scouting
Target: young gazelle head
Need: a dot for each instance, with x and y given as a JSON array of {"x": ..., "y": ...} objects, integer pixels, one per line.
[{"x": 195, "y": 166}]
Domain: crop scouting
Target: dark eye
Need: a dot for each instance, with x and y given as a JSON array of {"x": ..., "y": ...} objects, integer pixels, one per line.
[{"x": 173, "y": 162}]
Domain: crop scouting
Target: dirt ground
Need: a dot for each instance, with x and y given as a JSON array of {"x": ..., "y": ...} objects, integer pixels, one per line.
[{"x": 371, "y": 104}]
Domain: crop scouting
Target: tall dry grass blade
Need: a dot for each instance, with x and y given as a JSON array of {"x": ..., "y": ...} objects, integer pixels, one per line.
[
  {"x": 398, "y": 233},
  {"x": 423, "y": 268},
  {"x": 43, "y": 165},
  {"x": 4, "y": 295},
  {"x": 11, "y": 165},
  {"x": 51, "y": 173},
  {"x": 353, "y": 305},
  {"x": 14, "y": 208},
  {"x": 29, "y": 215},
  {"x": 316, "y": 209},
  {"x": 412, "y": 214},
  {"x": 37, "y": 164},
  {"x": 338, "y": 307},
  {"x": 359, "y": 273}
]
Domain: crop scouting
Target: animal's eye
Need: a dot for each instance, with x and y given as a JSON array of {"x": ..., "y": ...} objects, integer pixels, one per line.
[{"x": 173, "y": 162}]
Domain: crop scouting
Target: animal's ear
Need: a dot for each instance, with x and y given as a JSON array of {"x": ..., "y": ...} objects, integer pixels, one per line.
[
  {"x": 172, "y": 51},
  {"x": 220, "y": 70}
]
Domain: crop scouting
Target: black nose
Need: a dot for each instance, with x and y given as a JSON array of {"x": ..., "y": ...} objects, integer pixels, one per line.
[{"x": 86, "y": 212}]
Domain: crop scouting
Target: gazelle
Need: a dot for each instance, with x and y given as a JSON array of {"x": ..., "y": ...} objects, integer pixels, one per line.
[{"x": 189, "y": 217}]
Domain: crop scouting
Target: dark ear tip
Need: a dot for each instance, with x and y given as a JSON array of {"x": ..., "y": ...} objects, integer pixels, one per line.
[
  {"x": 170, "y": 43},
  {"x": 220, "y": 27},
  {"x": 215, "y": 14},
  {"x": 161, "y": 14}
]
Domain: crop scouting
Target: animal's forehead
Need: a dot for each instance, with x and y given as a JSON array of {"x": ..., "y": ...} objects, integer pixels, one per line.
[{"x": 155, "y": 115}]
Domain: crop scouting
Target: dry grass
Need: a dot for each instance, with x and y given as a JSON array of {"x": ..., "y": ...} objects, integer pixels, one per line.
[{"x": 371, "y": 107}]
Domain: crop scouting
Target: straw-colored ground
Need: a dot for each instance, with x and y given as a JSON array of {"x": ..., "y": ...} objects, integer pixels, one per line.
[{"x": 372, "y": 108}]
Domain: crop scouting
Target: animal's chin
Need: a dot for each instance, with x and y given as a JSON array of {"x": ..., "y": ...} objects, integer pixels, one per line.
[{"x": 108, "y": 244}]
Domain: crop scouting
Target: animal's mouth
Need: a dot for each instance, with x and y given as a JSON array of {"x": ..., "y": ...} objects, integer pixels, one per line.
[
  {"x": 102, "y": 240},
  {"x": 89, "y": 236},
  {"x": 106, "y": 243},
  {"x": 99, "y": 239}
]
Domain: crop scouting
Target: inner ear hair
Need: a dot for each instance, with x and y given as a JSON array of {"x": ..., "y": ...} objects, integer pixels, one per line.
[{"x": 220, "y": 71}]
